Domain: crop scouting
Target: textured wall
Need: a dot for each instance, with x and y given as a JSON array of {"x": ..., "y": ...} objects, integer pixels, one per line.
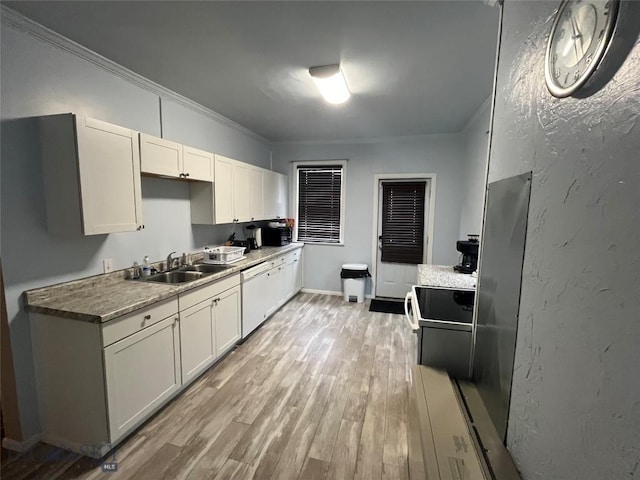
[{"x": 575, "y": 408}]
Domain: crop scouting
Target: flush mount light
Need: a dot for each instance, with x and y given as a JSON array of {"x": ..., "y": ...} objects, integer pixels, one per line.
[{"x": 331, "y": 83}]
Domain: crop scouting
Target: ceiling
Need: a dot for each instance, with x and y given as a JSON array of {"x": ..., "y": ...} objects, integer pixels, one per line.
[{"x": 413, "y": 68}]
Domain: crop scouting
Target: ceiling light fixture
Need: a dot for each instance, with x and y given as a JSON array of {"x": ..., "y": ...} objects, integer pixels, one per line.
[{"x": 331, "y": 83}]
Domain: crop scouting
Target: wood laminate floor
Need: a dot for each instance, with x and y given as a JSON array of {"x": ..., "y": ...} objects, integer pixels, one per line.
[{"x": 319, "y": 392}]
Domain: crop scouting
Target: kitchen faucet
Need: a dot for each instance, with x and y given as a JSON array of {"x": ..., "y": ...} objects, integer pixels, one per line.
[{"x": 170, "y": 261}]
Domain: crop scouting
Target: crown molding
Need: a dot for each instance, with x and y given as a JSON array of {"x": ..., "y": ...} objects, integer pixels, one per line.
[{"x": 18, "y": 21}]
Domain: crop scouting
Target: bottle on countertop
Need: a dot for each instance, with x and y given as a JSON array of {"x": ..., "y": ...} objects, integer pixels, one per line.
[{"x": 146, "y": 266}]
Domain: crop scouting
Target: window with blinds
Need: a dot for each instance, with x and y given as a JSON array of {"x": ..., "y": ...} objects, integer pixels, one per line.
[
  {"x": 320, "y": 204},
  {"x": 403, "y": 222}
]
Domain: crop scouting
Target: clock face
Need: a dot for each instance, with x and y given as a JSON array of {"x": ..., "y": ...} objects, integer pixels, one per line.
[{"x": 580, "y": 34}]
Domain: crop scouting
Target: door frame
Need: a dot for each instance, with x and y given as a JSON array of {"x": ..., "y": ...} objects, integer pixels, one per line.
[{"x": 429, "y": 227}]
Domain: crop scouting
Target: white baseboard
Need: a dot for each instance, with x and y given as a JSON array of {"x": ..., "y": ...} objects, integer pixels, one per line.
[
  {"x": 327, "y": 292},
  {"x": 321, "y": 292},
  {"x": 21, "y": 446}
]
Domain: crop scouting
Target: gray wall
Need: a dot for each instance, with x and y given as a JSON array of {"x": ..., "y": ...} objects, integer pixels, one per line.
[
  {"x": 39, "y": 78},
  {"x": 440, "y": 154},
  {"x": 575, "y": 407},
  {"x": 476, "y": 144}
]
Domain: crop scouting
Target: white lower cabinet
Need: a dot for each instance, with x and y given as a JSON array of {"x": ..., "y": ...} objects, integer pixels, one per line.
[
  {"x": 284, "y": 280},
  {"x": 98, "y": 381},
  {"x": 197, "y": 340},
  {"x": 210, "y": 324},
  {"x": 141, "y": 372},
  {"x": 227, "y": 319}
]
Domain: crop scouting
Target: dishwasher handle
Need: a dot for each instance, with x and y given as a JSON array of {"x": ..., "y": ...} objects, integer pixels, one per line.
[{"x": 414, "y": 325}]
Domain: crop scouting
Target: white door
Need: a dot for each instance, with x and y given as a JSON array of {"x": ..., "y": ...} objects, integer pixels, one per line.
[
  {"x": 402, "y": 226},
  {"x": 256, "y": 194},
  {"x": 141, "y": 372},
  {"x": 223, "y": 187},
  {"x": 160, "y": 156},
  {"x": 197, "y": 339},
  {"x": 227, "y": 313},
  {"x": 242, "y": 192},
  {"x": 197, "y": 164},
  {"x": 109, "y": 171}
]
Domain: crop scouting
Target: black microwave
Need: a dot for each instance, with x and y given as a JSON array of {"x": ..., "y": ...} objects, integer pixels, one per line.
[{"x": 276, "y": 236}]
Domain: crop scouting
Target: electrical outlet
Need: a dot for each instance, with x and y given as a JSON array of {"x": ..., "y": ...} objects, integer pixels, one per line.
[{"x": 107, "y": 265}]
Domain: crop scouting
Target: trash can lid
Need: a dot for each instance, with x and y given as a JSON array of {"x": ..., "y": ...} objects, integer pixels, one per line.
[{"x": 354, "y": 266}]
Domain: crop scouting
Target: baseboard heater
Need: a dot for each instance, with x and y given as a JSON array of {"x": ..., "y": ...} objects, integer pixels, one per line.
[{"x": 446, "y": 442}]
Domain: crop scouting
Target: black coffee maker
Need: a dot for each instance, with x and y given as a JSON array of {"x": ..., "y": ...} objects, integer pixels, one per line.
[{"x": 469, "y": 250}]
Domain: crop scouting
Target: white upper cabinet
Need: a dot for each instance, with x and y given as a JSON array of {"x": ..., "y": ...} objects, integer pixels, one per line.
[
  {"x": 159, "y": 156},
  {"x": 256, "y": 193},
  {"x": 241, "y": 193},
  {"x": 223, "y": 190},
  {"x": 275, "y": 195},
  {"x": 170, "y": 159},
  {"x": 197, "y": 164},
  {"x": 91, "y": 172}
]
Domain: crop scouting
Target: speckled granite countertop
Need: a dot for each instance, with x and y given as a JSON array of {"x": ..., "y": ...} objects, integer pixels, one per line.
[
  {"x": 445, "y": 277},
  {"x": 104, "y": 297}
]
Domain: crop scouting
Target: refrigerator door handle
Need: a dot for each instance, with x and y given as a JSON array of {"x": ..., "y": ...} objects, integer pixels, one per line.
[{"x": 414, "y": 325}]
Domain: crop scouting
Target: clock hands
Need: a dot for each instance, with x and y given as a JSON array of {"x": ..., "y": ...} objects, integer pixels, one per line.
[{"x": 577, "y": 35}]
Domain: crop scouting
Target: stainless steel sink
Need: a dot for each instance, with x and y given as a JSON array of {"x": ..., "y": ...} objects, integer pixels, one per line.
[
  {"x": 176, "y": 276},
  {"x": 204, "y": 268}
]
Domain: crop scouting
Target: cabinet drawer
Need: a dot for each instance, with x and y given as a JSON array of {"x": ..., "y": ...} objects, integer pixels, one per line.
[
  {"x": 276, "y": 262},
  {"x": 134, "y": 322},
  {"x": 200, "y": 294},
  {"x": 291, "y": 256}
]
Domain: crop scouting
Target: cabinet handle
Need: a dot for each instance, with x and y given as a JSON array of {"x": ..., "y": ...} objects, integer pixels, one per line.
[
  {"x": 186, "y": 175},
  {"x": 147, "y": 317},
  {"x": 181, "y": 175}
]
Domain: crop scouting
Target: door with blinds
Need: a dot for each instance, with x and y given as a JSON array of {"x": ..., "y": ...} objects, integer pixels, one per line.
[{"x": 402, "y": 240}]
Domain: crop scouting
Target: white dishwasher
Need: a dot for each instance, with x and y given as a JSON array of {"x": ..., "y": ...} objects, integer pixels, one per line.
[{"x": 254, "y": 297}]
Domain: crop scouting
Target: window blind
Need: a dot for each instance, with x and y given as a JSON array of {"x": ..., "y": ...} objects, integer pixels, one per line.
[
  {"x": 403, "y": 222},
  {"x": 319, "y": 201}
]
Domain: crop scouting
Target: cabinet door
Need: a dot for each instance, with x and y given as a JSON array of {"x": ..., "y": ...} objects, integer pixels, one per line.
[
  {"x": 197, "y": 339},
  {"x": 289, "y": 279},
  {"x": 223, "y": 189},
  {"x": 270, "y": 197},
  {"x": 281, "y": 195},
  {"x": 226, "y": 313},
  {"x": 297, "y": 272},
  {"x": 256, "y": 193},
  {"x": 242, "y": 192},
  {"x": 109, "y": 177},
  {"x": 160, "y": 157},
  {"x": 141, "y": 372},
  {"x": 197, "y": 164},
  {"x": 275, "y": 289}
]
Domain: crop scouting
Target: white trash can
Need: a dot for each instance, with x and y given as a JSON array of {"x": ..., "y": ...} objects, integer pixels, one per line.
[{"x": 354, "y": 278}]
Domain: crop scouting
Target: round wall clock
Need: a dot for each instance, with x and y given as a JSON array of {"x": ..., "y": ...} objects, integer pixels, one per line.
[{"x": 579, "y": 37}]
